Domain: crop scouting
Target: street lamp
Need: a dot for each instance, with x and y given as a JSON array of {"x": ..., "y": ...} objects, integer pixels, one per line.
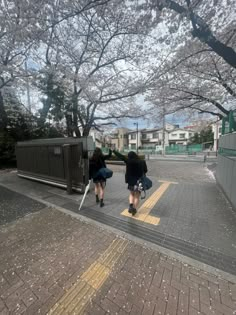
[
  {"x": 163, "y": 132},
  {"x": 136, "y": 124}
]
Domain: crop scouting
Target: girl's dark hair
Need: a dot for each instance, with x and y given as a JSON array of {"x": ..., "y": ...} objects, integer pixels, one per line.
[
  {"x": 97, "y": 154},
  {"x": 132, "y": 155}
]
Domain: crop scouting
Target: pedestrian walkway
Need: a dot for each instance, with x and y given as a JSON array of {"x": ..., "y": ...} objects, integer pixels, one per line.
[
  {"x": 177, "y": 256},
  {"x": 56, "y": 264},
  {"x": 185, "y": 211}
]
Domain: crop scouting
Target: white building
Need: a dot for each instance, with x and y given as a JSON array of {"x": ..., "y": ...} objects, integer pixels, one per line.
[
  {"x": 170, "y": 127},
  {"x": 153, "y": 139},
  {"x": 134, "y": 139},
  {"x": 150, "y": 139},
  {"x": 147, "y": 139},
  {"x": 98, "y": 138},
  {"x": 217, "y": 130},
  {"x": 180, "y": 136}
]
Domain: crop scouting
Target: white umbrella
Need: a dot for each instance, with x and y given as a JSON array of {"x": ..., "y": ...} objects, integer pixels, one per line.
[{"x": 85, "y": 193}]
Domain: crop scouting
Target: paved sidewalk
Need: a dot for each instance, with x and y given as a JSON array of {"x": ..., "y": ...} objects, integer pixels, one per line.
[
  {"x": 14, "y": 206},
  {"x": 53, "y": 263},
  {"x": 193, "y": 216}
]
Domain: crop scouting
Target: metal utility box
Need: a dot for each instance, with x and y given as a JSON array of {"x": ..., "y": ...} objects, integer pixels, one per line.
[{"x": 61, "y": 162}]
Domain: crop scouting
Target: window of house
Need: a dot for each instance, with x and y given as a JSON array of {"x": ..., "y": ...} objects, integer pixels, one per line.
[
  {"x": 144, "y": 136},
  {"x": 220, "y": 129},
  {"x": 174, "y": 134},
  {"x": 155, "y": 135},
  {"x": 182, "y": 135},
  {"x": 133, "y": 146},
  {"x": 133, "y": 136},
  {"x": 190, "y": 134}
]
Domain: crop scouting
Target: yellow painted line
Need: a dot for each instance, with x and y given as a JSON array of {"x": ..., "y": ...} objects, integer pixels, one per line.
[
  {"x": 80, "y": 306},
  {"x": 77, "y": 297},
  {"x": 83, "y": 295},
  {"x": 144, "y": 210},
  {"x": 166, "y": 181}
]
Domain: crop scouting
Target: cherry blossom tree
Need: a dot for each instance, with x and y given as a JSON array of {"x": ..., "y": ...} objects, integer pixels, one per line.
[
  {"x": 91, "y": 61},
  {"x": 197, "y": 77}
]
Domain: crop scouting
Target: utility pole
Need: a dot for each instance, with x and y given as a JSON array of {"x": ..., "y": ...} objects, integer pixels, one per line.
[
  {"x": 163, "y": 132},
  {"x": 27, "y": 87},
  {"x": 136, "y": 136},
  {"x": 216, "y": 136}
]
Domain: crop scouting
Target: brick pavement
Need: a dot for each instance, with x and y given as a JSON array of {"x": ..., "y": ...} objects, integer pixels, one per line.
[
  {"x": 46, "y": 254},
  {"x": 14, "y": 205}
]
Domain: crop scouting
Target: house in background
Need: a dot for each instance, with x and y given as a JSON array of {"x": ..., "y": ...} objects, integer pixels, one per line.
[
  {"x": 119, "y": 139},
  {"x": 180, "y": 136},
  {"x": 99, "y": 139},
  {"x": 170, "y": 127},
  {"x": 124, "y": 139},
  {"x": 153, "y": 139},
  {"x": 134, "y": 139},
  {"x": 148, "y": 139}
]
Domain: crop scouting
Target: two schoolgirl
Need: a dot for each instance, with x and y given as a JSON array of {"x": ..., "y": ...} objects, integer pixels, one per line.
[{"x": 135, "y": 169}]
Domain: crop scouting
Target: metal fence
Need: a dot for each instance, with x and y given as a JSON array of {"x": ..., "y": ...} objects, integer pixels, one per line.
[
  {"x": 229, "y": 123},
  {"x": 184, "y": 149},
  {"x": 173, "y": 149}
]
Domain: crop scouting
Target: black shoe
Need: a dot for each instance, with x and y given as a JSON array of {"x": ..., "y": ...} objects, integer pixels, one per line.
[
  {"x": 131, "y": 208},
  {"x": 102, "y": 203},
  {"x": 97, "y": 199}
]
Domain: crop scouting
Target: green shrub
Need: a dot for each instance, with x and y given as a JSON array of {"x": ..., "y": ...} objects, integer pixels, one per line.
[{"x": 7, "y": 146}]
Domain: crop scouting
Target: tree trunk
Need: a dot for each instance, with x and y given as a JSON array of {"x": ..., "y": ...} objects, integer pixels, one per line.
[
  {"x": 77, "y": 132},
  {"x": 86, "y": 131},
  {"x": 48, "y": 102},
  {"x": 224, "y": 51},
  {"x": 44, "y": 112},
  {"x": 202, "y": 31},
  {"x": 69, "y": 126},
  {"x": 75, "y": 117}
]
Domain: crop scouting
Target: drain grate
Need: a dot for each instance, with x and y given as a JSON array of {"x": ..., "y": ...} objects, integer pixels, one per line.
[{"x": 199, "y": 253}]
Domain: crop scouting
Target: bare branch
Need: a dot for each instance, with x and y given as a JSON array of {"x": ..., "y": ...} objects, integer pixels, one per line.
[
  {"x": 215, "y": 103},
  {"x": 202, "y": 31},
  {"x": 125, "y": 115},
  {"x": 207, "y": 111}
]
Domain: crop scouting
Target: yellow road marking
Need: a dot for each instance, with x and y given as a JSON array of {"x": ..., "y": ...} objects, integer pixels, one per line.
[
  {"x": 77, "y": 297},
  {"x": 144, "y": 210},
  {"x": 166, "y": 181}
]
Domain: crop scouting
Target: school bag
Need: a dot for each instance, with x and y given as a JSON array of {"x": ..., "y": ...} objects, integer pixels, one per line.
[
  {"x": 144, "y": 183},
  {"x": 104, "y": 172}
]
